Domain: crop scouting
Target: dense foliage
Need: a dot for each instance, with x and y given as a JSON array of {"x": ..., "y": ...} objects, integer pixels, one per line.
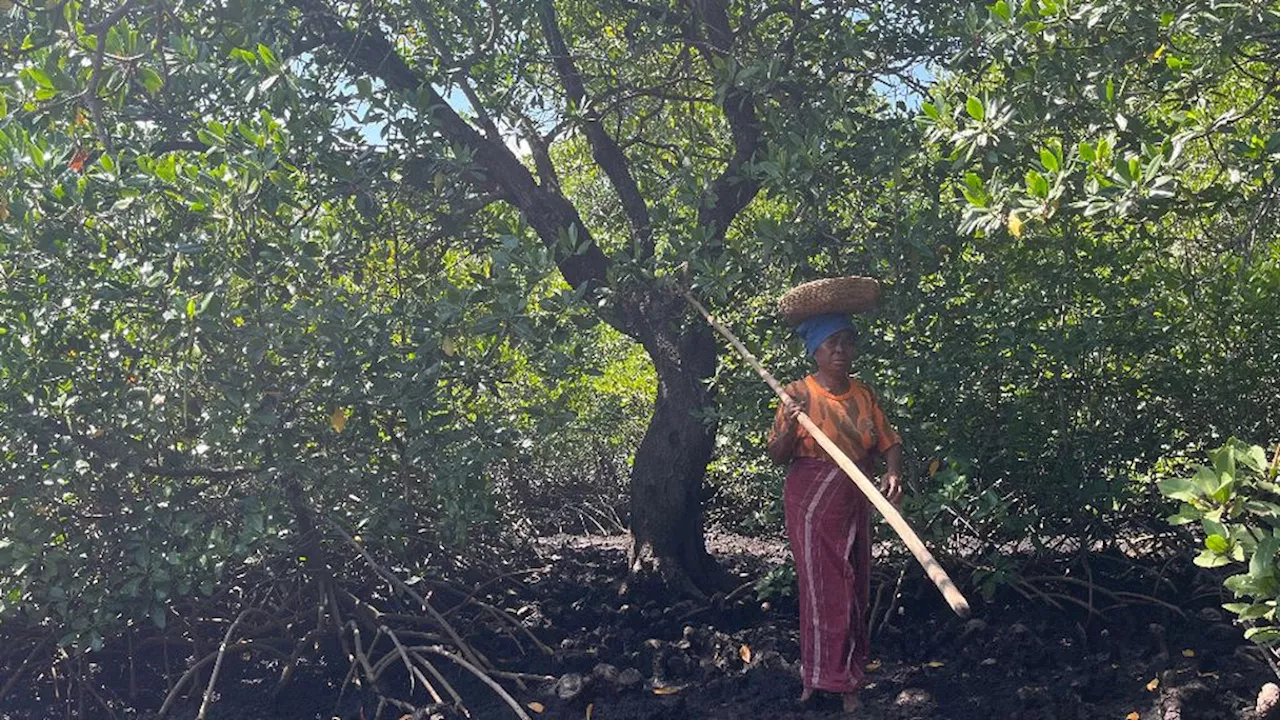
[{"x": 268, "y": 267}]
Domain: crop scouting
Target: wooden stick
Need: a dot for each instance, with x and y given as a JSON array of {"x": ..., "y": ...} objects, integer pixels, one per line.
[{"x": 890, "y": 513}]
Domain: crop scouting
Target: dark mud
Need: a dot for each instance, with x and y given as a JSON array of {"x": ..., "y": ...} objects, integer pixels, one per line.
[{"x": 647, "y": 657}]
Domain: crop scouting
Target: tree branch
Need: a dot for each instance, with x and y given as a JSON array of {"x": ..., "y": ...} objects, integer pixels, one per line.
[
  {"x": 549, "y": 213},
  {"x": 733, "y": 189},
  {"x": 604, "y": 148},
  {"x": 462, "y": 73},
  {"x": 100, "y": 31}
]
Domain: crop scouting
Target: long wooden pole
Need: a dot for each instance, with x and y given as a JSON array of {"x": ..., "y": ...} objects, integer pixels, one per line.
[{"x": 886, "y": 508}]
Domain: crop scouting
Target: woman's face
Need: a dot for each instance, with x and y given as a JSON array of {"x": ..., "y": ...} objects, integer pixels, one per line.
[{"x": 836, "y": 353}]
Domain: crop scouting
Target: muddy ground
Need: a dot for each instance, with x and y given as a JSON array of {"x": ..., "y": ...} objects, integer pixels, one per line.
[{"x": 647, "y": 658}]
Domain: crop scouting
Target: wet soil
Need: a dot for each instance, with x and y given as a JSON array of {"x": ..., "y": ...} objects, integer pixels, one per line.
[{"x": 648, "y": 657}]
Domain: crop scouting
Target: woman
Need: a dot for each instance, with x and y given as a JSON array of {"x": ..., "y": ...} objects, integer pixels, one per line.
[{"x": 828, "y": 518}]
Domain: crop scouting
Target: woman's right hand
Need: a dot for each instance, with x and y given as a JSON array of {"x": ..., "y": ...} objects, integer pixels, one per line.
[{"x": 792, "y": 411}]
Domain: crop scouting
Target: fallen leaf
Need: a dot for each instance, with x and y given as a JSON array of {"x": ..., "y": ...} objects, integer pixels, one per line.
[
  {"x": 1133, "y": 716},
  {"x": 1159, "y": 53},
  {"x": 666, "y": 690},
  {"x": 1155, "y": 683},
  {"x": 536, "y": 706},
  {"x": 449, "y": 347},
  {"x": 590, "y": 707},
  {"x": 1188, "y": 653},
  {"x": 934, "y": 467},
  {"x": 873, "y": 666},
  {"x": 1015, "y": 225},
  {"x": 338, "y": 419},
  {"x": 934, "y": 664},
  {"x": 744, "y": 652},
  {"x": 4, "y": 211}
]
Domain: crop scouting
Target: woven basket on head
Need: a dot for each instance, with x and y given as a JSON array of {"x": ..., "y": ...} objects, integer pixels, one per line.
[{"x": 840, "y": 295}]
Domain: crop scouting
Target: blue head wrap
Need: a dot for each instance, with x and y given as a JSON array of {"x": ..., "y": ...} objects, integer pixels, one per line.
[{"x": 820, "y": 327}]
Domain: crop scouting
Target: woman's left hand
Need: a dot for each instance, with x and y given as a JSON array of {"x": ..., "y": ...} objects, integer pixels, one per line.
[{"x": 891, "y": 486}]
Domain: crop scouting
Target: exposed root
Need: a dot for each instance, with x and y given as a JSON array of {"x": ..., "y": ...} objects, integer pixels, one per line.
[
  {"x": 40, "y": 647},
  {"x": 414, "y": 672},
  {"x": 217, "y": 665},
  {"x": 201, "y": 664},
  {"x": 481, "y": 675}
]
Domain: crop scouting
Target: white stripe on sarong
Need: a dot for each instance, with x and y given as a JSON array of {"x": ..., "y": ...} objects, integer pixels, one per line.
[
  {"x": 848, "y": 548},
  {"x": 809, "y": 572}
]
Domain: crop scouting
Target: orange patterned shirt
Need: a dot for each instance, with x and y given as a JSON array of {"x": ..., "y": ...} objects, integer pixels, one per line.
[{"x": 853, "y": 420}]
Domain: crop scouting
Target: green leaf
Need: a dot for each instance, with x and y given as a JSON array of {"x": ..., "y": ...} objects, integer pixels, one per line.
[
  {"x": 267, "y": 56},
  {"x": 1001, "y": 10},
  {"x": 1224, "y": 459},
  {"x": 1049, "y": 160},
  {"x": 1206, "y": 480},
  {"x": 1248, "y": 611},
  {"x": 151, "y": 80},
  {"x": 931, "y": 110},
  {"x": 1254, "y": 458},
  {"x": 1037, "y": 185},
  {"x": 1223, "y": 494},
  {"x": 1086, "y": 152},
  {"x": 1210, "y": 559},
  {"x": 1217, "y": 543},
  {"x": 1262, "y": 635},
  {"x": 974, "y": 107},
  {"x": 1241, "y": 584},
  {"x": 1213, "y": 527},
  {"x": 1263, "y": 561},
  {"x": 1178, "y": 489},
  {"x": 39, "y": 77}
]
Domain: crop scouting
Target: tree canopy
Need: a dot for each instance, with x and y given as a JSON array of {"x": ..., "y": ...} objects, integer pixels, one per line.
[{"x": 407, "y": 267}]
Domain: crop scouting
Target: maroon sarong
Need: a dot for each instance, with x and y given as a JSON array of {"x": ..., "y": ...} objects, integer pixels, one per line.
[{"x": 828, "y": 525}]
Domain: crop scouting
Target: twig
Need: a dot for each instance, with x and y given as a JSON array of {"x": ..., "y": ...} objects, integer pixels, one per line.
[
  {"x": 481, "y": 675},
  {"x": 13, "y": 680},
  {"x": 218, "y": 665},
  {"x": 1155, "y": 601},
  {"x": 484, "y": 585},
  {"x": 400, "y": 584},
  {"x": 298, "y": 649},
  {"x": 413, "y": 669},
  {"x": 457, "y": 699},
  {"x": 504, "y": 616},
  {"x": 191, "y": 672},
  {"x": 893, "y": 603},
  {"x": 83, "y": 685},
  {"x": 359, "y": 659},
  {"x": 521, "y": 676}
]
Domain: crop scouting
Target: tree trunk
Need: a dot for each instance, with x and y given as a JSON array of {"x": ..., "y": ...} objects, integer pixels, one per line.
[{"x": 667, "y": 541}]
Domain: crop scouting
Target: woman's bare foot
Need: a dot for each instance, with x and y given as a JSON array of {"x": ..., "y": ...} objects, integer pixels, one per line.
[
  {"x": 807, "y": 695},
  {"x": 851, "y": 703}
]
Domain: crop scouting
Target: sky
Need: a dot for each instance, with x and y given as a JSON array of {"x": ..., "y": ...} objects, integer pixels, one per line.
[{"x": 891, "y": 87}]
